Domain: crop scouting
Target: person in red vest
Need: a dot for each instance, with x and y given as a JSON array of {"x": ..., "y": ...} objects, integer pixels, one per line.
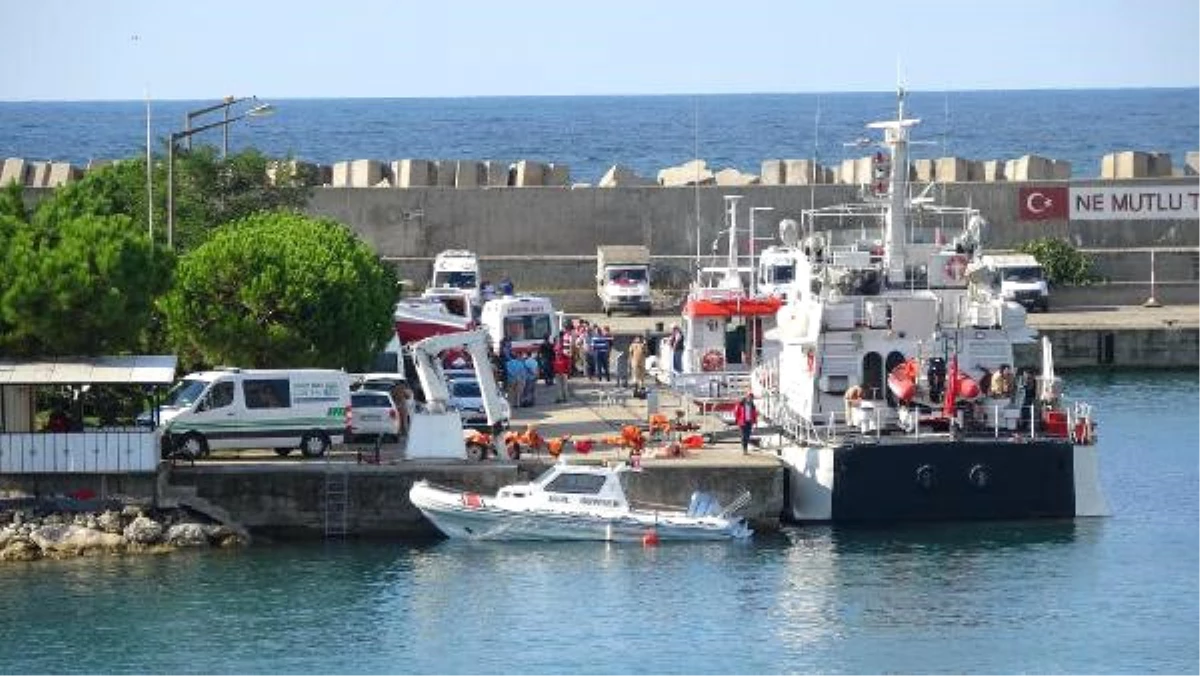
[{"x": 745, "y": 414}]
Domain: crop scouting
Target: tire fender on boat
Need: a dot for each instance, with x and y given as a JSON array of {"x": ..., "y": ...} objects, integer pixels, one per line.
[
  {"x": 926, "y": 477},
  {"x": 980, "y": 476}
]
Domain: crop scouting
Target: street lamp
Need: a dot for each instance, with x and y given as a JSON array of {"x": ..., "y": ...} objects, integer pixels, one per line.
[
  {"x": 225, "y": 104},
  {"x": 257, "y": 111}
]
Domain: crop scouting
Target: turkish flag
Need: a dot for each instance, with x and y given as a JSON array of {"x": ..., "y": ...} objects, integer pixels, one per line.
[{"x": 1044, "y": 204}]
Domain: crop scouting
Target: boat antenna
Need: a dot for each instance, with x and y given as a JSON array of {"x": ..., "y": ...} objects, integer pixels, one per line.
[
  {"x": 696, "y": 163},
  {"x": 812, "y": 189}
]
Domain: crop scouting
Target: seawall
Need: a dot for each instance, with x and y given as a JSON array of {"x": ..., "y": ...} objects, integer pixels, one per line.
[
  {"x": 559, "y": 228},
  {"x": 287, "y": 499}
]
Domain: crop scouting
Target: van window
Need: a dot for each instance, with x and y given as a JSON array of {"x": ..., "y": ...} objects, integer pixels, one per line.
[
  {"x": 222, "y": 395},
  {"x": 266, "y": 393},
  {"x": 184, "y": 392},
  {"x": 528, "y": 327},
  {"x": 453, "y": 278}
]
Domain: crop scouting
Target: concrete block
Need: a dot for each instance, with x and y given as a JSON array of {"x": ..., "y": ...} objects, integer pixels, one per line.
[
  {"x": 529, "y": 174},
  {"x": 694, "y": 172},
  {"x": 733, "y": 177},
  {"x": 846, "y": 172},
  {"x": 801, "y": 172},
  {"x": 1160, "y": 164},
  {"x": 1029, "y": 168},
  {"x": 39, "y": 175},
  {"x": 325, "y": 174},
  {"x": 619, "y": 176},
  {"x": 1060, "y": 170},
  {"x": 469, "y": 174},
  {"x": 1125, "y": 164},
  {"x": 925, "y": 170},
  {"x": 772, "y": 172},
  {"x": 293, "y": 173},
  {"x": 341, "y": 175},
  {"x": 953, "y": 170},
  {"x": 557, "y": 174},
  {"x": 993, "y": 170},
  {"x": 413, "y": 173},
  {"x": 365, "y": 173},
  {"x": 15, "y": 169},
  {"x": 1191, "y": 165},
  {"x": 444, "y": 173},
  {"x": 62, "y": 173},
  {"x": 497, "y": 174}
]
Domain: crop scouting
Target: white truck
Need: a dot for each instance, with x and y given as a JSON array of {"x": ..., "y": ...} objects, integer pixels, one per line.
[
  {"x": 1015, "y": 277},
  {"x": 623, "y": 278},
  {"x": 455, "y": 271}
]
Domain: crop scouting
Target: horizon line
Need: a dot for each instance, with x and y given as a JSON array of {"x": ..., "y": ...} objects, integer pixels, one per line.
[{"x": 908, "y": 90}]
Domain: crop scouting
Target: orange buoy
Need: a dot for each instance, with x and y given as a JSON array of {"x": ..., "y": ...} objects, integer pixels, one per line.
[
  {"x": 967, "y": 387},
  {"x": 650, "y": 539}
]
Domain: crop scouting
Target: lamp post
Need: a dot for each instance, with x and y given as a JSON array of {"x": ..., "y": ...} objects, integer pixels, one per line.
[
  {"x": 257, "y": 111},
  {"x": 225, "y": 104}
]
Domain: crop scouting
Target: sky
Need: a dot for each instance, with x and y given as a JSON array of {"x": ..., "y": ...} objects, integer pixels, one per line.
[{"x": 66, "y": 50}]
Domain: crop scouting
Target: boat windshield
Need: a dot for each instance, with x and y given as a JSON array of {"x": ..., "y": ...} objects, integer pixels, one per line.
[
  {"x": 576, "y": 484},
  {"x": 454, "y": 278},
  {"x": 185, "y": 392}
]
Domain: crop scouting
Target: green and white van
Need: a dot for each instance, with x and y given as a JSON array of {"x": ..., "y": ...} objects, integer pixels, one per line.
[{"x": 256, "y": 408}]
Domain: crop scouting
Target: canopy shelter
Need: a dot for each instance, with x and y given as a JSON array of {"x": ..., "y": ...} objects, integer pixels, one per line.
[{"x": 122, "y": 370}]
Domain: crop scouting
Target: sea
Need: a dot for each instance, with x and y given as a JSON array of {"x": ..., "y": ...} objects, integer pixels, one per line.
[
  {"x": 1109, "y": 595},
  {"x": 590, "y": 134}
]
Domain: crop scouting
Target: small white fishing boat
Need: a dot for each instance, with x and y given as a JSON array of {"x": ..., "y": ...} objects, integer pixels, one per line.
[{"x": 574, "y": 502}]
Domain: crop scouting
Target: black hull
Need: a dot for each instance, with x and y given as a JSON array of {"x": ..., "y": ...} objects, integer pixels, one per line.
[{"x": 965, "y": 480}]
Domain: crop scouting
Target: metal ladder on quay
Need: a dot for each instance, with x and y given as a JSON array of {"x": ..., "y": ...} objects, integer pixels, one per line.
[{"x": 336, "y": 498}]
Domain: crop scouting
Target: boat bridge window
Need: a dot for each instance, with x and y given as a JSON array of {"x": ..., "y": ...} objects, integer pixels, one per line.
[{"x": 578, "y": 484}]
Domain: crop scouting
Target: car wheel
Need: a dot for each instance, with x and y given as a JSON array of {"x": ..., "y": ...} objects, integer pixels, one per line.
[
  {"x": 476, "y": 452},
  {"x": 283, "y": 452},
  {"x": 193, "y": 446},
  {"x": 314, "y": 444}
]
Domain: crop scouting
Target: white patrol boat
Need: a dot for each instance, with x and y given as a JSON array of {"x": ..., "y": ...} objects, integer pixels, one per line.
[
  {"x": 574, "y": 502},
  {"x": 885, "y": 348}
]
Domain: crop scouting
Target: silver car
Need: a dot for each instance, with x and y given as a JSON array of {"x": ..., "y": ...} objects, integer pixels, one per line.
[
  {"x": 466, "y": 398},
  {"x": 373, "y": 415}
]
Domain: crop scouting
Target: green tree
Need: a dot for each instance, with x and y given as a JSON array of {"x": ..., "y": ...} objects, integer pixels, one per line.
[
  {"x": 281, "y": 289},
  {"x": 85, "y": 287},
  {"x": 1062, "y": 262}
]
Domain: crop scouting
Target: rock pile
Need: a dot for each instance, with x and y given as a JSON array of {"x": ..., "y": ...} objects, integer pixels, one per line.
[{"x": 28, "y": 534}]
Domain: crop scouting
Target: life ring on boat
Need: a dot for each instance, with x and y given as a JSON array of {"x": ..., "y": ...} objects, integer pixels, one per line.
[
  {"x": 712, "y": 360},
  {"x": 812, "y": 361},
  {"x": 956, "y": 267}
]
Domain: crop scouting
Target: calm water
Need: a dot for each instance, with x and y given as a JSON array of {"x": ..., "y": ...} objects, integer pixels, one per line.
[
  {"x": 645, "y": 133},
  {"x": 1113, "y": 595}
]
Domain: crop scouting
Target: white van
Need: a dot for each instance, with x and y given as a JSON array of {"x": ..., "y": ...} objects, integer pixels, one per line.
[
  {"x": 525, "y": 320},
  {"x": 256, "y": 408},
  {"x": 1017, "y": 277}
]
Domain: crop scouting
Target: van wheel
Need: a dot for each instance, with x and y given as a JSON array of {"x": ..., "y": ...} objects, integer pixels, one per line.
[
  {"x": 314, "y": 444},
  {"x": 193, "y": 446},
  {"x": 283, "y": 452}
]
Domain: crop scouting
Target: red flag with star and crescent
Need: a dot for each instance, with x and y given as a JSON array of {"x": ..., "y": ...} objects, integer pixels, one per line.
[{"x": 1044, "y": 203}]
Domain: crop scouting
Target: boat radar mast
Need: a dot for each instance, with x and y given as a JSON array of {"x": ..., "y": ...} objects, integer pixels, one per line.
[{"x": 895, "y": 139}]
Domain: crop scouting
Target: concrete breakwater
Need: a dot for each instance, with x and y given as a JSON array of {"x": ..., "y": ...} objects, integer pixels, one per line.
[{"x": 463, "y": 173}]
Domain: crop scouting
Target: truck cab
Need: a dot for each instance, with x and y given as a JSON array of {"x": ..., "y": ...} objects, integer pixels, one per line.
[
  {"x": 455, "y": 271},
  {"x": 1016, "y": 277},
  {"x": 623, "y": 278}
]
